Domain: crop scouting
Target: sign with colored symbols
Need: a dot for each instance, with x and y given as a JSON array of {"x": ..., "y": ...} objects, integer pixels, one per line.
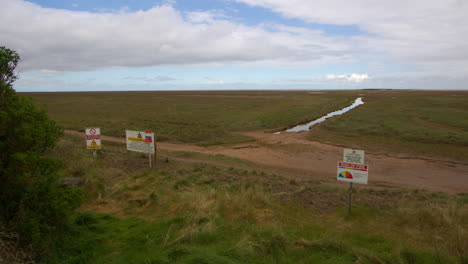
[
  {"x": 351, "y": 172},
  {"x": 93, "y": 138},
  {"x": 138, "y": 141}
]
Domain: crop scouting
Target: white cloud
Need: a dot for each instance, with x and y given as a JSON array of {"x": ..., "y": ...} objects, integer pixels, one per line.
[
  {"x": 353, "y": 77},
  {"x": 65, "y": 40},
  {"x": 427, "y": 38},
  {"x": 145, "y": 78},
  {"x": 205, "y": 16},
  {"x": 426, "y": 34}
]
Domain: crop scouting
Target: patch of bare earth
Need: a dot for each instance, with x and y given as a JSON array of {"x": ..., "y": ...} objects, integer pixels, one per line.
[{"x": 292, "y": 155}]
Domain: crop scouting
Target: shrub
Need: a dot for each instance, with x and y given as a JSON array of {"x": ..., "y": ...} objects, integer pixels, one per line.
[{"x": 33, "y": 204}]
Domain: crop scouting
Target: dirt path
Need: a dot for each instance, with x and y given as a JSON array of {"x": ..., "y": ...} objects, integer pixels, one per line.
[{"x": 291, "y": 152}]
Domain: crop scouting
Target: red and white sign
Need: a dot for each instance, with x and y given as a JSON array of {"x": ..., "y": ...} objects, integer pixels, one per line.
[
  {"x": 148, "y": 136},
  {"x": 93, "y": 138},
  {"x": 352, "y": 172}
]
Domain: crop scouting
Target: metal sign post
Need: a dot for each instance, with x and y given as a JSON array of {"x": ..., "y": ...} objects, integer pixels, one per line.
[
  {"x": 149, "y": 155},
  {"x": 149, "y": 140},
  {"x": 350, "y": 200},
  {"x": 154, "y": 148},
  {"x": 353, "y": 170},
  {"x": 142, "y": 141}
]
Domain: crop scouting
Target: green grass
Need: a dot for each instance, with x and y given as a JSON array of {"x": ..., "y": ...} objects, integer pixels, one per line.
[
  {"x": 429, "y": 124},
  {"x": 192, "y": 212},
  {"x": 185, "y": 218},
  {"x": 205, "y": 118},
  {"x": 97, "y": 238}
]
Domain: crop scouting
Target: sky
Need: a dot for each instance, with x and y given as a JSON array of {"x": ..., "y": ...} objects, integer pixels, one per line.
[{"x": 100, "y": 45}]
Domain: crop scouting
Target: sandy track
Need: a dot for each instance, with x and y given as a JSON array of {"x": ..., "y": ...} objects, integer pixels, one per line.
[{"x": 290, "y": 152}]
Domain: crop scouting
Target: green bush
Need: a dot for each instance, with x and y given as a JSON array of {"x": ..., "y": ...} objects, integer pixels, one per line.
[{"x": 33, "y": 204}]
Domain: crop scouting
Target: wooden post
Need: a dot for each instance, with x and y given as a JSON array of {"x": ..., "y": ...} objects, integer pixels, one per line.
[
  {"x": 154, "y": 153},
  {"x": 149, "y": 155}
]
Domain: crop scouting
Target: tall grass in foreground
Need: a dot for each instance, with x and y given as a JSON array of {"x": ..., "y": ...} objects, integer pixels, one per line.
[
  {"x": 200, "y": 213},
  {"x": 10, "y": 250}
]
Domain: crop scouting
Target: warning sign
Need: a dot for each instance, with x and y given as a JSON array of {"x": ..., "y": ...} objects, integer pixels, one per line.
[
  {"x": 93, "y": 138},
  {"x": 136, "y": 141},
  {"x": 353, "y": 156},
  {"x": 351, "y": 172}
]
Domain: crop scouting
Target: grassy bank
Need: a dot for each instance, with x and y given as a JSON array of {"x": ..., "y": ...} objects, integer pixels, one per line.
[{"x": 211, "y": 209}]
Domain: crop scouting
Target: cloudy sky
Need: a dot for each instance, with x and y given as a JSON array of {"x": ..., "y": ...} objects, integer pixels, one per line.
[{"x": 70, "y": 45}]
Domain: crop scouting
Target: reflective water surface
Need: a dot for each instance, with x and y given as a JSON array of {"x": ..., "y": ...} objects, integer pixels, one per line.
[{"x": 306, "y": 127}]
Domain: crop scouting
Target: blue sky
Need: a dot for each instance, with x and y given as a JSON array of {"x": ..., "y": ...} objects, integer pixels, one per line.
[
  {"x": 245, "y": 14},
  {"x": 73, "y": 45}
]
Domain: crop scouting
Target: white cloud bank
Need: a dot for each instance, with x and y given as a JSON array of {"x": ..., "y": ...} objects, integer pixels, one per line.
[
  {"x": 53, "y": 39},
  {"x": 427, "y": 37},
  {"x": 431, "y": 35}
]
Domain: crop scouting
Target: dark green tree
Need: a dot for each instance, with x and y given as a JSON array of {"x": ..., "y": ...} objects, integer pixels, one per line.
[
  {"x": 8, "y": 61},
  {"x": 32, "y": 203}
]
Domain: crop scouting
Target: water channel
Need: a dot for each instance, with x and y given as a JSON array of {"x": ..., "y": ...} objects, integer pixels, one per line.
[{"x": 306, "y": 127}]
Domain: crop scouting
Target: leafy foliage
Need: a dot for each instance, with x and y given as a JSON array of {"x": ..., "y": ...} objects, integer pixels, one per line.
[
  {"x": 8, "y": 61},
  {"x": 32, "y": 202}
]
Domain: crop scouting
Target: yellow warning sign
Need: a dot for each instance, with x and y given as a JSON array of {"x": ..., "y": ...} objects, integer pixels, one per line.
[
  {"x": 136, "y": 139},
  {"x": 139, "y": 135},
  {"x": 93, "y": 138},
  {"x": 93, "y": 145}
]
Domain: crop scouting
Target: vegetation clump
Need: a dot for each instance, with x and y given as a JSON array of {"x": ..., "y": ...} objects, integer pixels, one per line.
[{"x": 33, "y": 205}]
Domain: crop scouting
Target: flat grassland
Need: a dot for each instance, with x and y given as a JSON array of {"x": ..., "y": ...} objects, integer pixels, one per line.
[
  {"x": 205, "y": 118},
  {"x": 430, "y": 124}
]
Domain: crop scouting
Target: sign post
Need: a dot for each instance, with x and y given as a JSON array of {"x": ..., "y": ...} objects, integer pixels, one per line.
[
  {"x": 350, "y": 199},
  {"x": 352, "y": 170},
  {"x": 93, "y": 139},
  {"x": 141, "y": 141},
  {"x": 149, "y": 140}
]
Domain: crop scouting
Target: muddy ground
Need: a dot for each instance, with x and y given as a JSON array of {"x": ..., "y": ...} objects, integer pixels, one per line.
[{"x": 290, "y": 154}]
